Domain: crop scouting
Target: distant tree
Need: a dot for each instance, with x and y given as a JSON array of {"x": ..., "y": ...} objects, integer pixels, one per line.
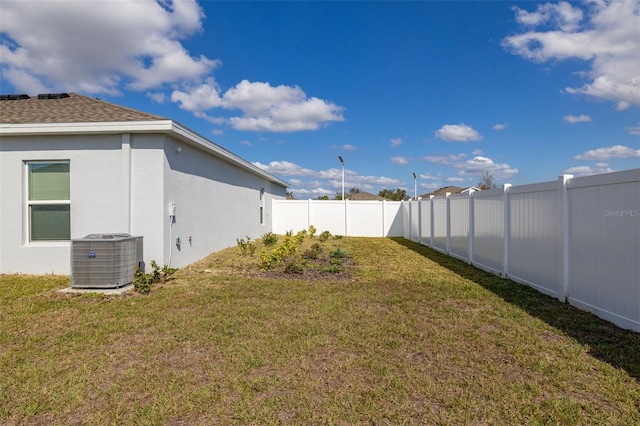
[
  {"x": 348, "y": 195},
  {"x": 394, "y": 194},
  {"x": 289, "y": 194},
  {"x": 323, "y": 197},
  {"x": 487, "y": 182}
]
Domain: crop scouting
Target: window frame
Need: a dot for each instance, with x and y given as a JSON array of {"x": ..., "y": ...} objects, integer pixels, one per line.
[{"x": 29, "y": 203}]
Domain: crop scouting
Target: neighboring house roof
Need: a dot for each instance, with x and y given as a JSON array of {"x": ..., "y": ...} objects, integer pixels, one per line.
[
  {"x": 365, "y": 196},
  {"x": 62, "y": 113},
  {"x": 452, "y": 189}
]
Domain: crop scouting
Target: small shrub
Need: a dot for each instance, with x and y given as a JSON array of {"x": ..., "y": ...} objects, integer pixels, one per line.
[
  {"x": 313, "y": 252},
  {"x": 142, "y": 282},
  {"x": 294, "y": 266},
  {"x": 269, "y": 239},
  {"x": 289, "y": 233},
  {"x": 300, "y": 236},
  {"x": 288, "y": 247},
  {"x": 338, "y": 253},
  {"x": 324, "y": 236},
  {"x": 337, "y": 237},
  {"x": 333, "y": 269},
  {"x": 312, "y": 231},
  {"x": 247, "y": 247}
]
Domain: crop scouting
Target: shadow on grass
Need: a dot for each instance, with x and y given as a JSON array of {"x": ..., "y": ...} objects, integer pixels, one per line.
[{"x": 607, "y": 342}]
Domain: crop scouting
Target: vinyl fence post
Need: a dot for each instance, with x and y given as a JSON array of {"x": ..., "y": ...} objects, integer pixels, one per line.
[
  {"x": 447, "y": 215},
  {"x": 563, "y": 293},
  {"x": 309, "y": 214},
  {"x": 419, "y": 220},
  {"x": 506, "y": 234},
  {"x": 471, "y": 227},
  {"x": 431, "y": 224}
]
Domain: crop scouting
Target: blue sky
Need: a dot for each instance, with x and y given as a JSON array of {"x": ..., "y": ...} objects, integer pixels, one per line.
[{"x": 447, "y": 89}]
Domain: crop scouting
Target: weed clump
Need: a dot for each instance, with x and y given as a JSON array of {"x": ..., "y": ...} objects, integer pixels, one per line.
[{"x": 142, "y": 282}]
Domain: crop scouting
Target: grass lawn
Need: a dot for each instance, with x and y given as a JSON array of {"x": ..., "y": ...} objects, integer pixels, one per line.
[{"x": 409, "y": 337}]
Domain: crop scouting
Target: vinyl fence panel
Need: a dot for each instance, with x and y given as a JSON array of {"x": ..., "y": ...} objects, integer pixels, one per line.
[
  {"x": 459, "y": 226},
  {"x": 604, "y": 246},
  {"x": 425, "y": 221},
  {"x": 440, "y": 222},
  {"x": 366, "y": 218},
  {"x": 535, "y": 236},
  {"x": 488, "y": 225}
]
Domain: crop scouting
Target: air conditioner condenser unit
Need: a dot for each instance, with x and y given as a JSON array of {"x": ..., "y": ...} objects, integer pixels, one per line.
[{"x": 105, "y": 260}]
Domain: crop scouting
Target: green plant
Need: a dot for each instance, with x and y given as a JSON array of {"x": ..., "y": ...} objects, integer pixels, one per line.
[
  {"x": 333, "y": 269},
  {"x": 295, "y": 265},
  {"x": 312, "y": 252},
  {"x": 300, "y": 236},
  {"x": 338, "y": 253},
  {"x": 312, "y": 231},
  {"x": 289, "y": 233},
  {"x": 280, "y": 253},
  {"x": 337, "y": 237},
  {"x": 269, "y": 239},
  {"x": 247, "y": 247},
  {"x": 142, "y": 282},
  {"x": 324, "y": 236}
]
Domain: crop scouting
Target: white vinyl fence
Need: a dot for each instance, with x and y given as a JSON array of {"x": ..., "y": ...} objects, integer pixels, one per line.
[
  {"x": 348, "y": 218},
  {"x": 577, "y": 239}
]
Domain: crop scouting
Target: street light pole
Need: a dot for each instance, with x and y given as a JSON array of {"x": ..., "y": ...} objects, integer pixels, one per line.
[
  {"x": 415, "y": 186},
  {"x": 342, "y": 162}
]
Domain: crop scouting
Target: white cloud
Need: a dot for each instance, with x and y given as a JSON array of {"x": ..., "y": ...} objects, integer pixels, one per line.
[
  {"x": 277, "y": 109},
  {"x": 602, "y": 33},
  {"x": 573, "y": 119},
  {"x": 457, "y": 133},
  {"x": 500, "y": 126},
  {"x": 633, "y": 130},
  {"x": 616, "y": 151},
  {"x": 587, "y": 171},
  {"x": 348, "y": 147},
  {"x": 429, "y": 185},
  {"x": 561, "y": 13},
  {"x": 476, "y": 152},
  {"x": 395, "y": 142},
  {"x": 285, "y": 168},
  {"x": 455, "y": 179},
  {"x": 107, "y": 46},
  {"x": 156, "y": 97},
  {"x": 246, "y": 143},
  {"x": 399, "y": 161},
  {"x": 429, "y": 176},
  {"x": 198, "y": 97},
  {"x": 445, "y": 159},
  {"x": 477, "y": 165}
]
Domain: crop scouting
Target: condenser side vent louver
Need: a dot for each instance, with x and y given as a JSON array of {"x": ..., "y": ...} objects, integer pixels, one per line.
[{"x": 105, "y": 260}]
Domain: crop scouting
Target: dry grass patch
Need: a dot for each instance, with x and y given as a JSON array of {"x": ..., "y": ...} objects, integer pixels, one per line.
[{"x": 411, "y": 337}]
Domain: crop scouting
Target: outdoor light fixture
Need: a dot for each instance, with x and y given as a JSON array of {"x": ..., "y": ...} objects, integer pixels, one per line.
[
  {"x": 415, "y": 186},
  {"x": 342, "y": 162}
]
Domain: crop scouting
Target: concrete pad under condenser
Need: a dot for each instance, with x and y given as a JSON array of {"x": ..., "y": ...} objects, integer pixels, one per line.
[{"x": 107, "y": 291}]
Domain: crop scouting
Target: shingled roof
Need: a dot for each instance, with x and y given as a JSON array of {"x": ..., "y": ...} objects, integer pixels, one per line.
[{"x": 66, "y": 108}]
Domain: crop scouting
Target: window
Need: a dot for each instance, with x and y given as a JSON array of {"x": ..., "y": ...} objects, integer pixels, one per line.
[{"x": 48, "y": 200}]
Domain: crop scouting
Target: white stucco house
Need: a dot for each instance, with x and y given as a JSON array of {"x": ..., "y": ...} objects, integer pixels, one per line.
[{"x": 72, "y": 165}]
